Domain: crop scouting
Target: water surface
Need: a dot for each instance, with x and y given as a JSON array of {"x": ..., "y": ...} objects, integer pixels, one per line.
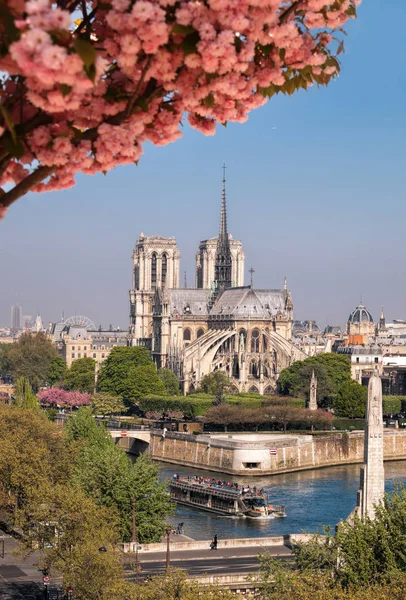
[{"x": 312, "y": 498}]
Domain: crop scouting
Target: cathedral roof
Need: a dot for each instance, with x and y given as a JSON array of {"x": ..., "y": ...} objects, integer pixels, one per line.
[
  {"x": 188, "y": 302},
  {"x": 248, "y": 302}
]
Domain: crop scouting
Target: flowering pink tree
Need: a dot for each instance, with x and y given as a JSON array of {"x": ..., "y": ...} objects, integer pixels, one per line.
[
  {"x": 59, "y": 397},
  {"x": 85, "y": 83}
]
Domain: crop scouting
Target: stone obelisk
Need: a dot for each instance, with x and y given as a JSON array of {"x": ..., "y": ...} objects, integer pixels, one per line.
[
  {"x": 372, "y": 472},
  {"x": 313, "y": 393}
]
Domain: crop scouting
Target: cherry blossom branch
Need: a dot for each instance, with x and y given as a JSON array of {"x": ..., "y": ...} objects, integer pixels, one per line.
[
  {"x": 137, "y": 90},
  {"x": 285, "y": 15},
  {"x": 25, "y": 186},
  {"x": 136, "y": 55}
]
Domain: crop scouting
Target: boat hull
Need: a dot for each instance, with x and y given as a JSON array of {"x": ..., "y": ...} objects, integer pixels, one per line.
[{"x": 210, "y": 509}]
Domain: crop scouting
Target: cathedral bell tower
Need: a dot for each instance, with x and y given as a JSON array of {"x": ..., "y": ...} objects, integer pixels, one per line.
[
  {"x": 223, "y": 262},
  {"x": 155, "y": 266}
]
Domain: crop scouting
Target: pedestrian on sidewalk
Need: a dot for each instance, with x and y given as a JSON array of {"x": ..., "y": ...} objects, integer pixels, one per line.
[{"x": 213, "y": 545}]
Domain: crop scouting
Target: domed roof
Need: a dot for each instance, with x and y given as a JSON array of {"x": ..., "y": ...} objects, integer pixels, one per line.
[{"x": 360, "y": 315}]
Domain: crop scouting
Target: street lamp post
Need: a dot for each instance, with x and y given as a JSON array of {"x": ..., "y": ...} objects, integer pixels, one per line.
[
  {"x": 168, "y": 550},
  {"x": 134, "y": 540}
]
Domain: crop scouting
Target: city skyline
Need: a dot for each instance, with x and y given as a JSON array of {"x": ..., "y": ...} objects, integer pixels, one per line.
[{"x": 314, "y": 192}]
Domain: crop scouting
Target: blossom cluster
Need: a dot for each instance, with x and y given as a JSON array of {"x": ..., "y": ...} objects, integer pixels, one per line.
[
  {"x": 59, "y": 397},
  {"x": 86, "y": 94}
]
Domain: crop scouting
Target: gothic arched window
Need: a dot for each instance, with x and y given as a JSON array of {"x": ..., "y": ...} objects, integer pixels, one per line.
[
  {"x": 153, "y": 269},
  {"x": 187, "y": 335},
  {"x": 253, "y": 369},
  {"x": 200, "y": 332},
  {"x": 164, "y": 267},
  {"x": 255, "y": 340}
]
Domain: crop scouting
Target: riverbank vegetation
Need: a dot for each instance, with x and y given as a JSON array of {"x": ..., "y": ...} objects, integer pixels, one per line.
[
  {"x": 70, "y": 492},
  {"x": 365, "y": 559}
]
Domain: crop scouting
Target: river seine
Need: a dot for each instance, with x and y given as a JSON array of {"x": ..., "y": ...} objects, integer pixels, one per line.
[{"x": 312, "y": 498}]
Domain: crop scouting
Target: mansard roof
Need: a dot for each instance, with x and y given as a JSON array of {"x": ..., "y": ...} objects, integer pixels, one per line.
[
  {"x": 188, "y": 302},
  {"x": 248, "y": 302}
]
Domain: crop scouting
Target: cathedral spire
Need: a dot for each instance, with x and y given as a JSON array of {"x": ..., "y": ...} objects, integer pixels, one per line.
[
  {"x": 223, "y": 216},
  {"x": 223, "y": 265}
]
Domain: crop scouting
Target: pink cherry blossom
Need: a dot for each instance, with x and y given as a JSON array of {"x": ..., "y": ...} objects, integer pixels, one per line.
[
  {"x": 95, "y": 91},
  {"x": 59, "y": 397}
]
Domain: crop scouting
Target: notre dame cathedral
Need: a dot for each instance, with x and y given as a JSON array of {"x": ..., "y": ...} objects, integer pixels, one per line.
[{"x": 219, "y": 324}]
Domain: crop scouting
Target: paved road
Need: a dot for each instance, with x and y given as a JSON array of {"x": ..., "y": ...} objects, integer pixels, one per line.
[
  {"x": 224, "y": 561},
  {"x": 19, "y": 577}
]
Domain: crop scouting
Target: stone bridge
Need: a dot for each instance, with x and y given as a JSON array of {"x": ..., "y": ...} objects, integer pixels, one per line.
[{"x": 133, "y": 441}]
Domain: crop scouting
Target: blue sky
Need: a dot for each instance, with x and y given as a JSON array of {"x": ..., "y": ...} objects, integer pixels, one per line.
[{"x": 315, "y": 192}]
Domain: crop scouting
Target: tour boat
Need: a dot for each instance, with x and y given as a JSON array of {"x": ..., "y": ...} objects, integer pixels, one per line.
[{"x": 226, "y": 499}]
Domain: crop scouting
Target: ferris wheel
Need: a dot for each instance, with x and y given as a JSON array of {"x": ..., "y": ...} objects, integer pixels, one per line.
[{"x": 81, "y": 321}]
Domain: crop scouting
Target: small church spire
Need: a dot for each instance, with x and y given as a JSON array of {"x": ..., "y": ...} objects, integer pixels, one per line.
[
  {"x": 382, "y": 322},
  {"x": 251, "y": 272},
  {"x": 285, "y": 284}
]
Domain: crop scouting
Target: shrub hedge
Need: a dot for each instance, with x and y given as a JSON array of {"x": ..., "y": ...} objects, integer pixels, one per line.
[{"x": 197, "y": 404}]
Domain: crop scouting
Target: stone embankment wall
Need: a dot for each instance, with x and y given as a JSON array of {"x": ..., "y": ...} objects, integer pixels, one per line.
[
  {"x": 260, "y": 543},
  {"x": 270, "y": 457}
]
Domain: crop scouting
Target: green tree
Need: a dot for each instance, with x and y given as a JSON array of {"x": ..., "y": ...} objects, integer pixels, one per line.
[
  {"x": 114, "y": 370},
  {"x": 34, "y": 457},
  {"x": 81, "y": 375},
  {"x": 56, "y": 371},
  {"x": 216, "y": 383},
  {"x": 170, "y": 381},
  {"x": 24, "y": 396},
  {"x": 31, "y": 357},
  {"x": 175, "y": 585},
  {"x": 301, "y": 386},
  {"x": 142, "y": 381},
  {"x": 5, "y": 367},
  {"x": 332, "y": 370},
  {"x": 82, "y": 427},
  {"x": 106, "y": 404},
  {"x": 81, "y": 528},
  {"x": 351, "y": 400},
  {"x": 105, "y": 474}
]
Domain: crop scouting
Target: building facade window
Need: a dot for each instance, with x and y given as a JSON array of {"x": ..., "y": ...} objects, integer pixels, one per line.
[
  {"x": 200, "y": 332},
  {"x": 94, "y": 355},
  {"x": 73, "y": 355},
  {"x": 187, "y": 335},
  {"x": 164, "y": 267},
  {"x": 153, "y": 270},
  {"x": 255, "y": 340}
]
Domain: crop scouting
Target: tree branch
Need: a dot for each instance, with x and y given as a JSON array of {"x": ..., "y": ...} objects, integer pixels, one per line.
[
  {"x": 285, "y": 15},
  {"x": 25, "y": 186},
  {"x": 133, "y": 98}
]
